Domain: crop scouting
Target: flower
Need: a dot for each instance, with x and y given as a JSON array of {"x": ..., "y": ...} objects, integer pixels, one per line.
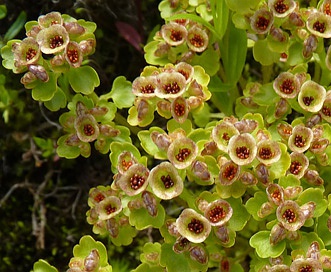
[
  {"x": 299, "y": 164},
  {"x": 171, "y": 84},
  {"x": 125, "y": 161},
  {"x": 275, "y": 194},
  {"x": 286, "y": 85},
  {"x": 318, "y": 24},
  {"x": 134, "y": 180},
  {"x": 144, "y": 86},
  {"x": 218, "y": 212},
  {"x": 197, "y": 39},
  {"x": 222, "y": 133},
  {"x": 281, "y": 8},
  {"x": 86, "y": 127},
  {"x": 26, "y": 52},
  {"x": 311, "y": 96},
  {"x": 290, "y": 215},
  {"x": 300, "y": 139},
  {"x": 309, "y": 46},
  {"x": 193, "y": 226},
  {"x": 326, "y": 108},
  {"x": 242, "y": 148},
  {"x": 229, "y": 173},
  {"x": 53, "y": 39},
  {"x": 262, "y": 21},
  {"x": 108, "y": 207},
  {"x": 268, "y": 152},
  {"x": 182, "y": 152},
  {"x": 179, "y": 109},
  {"x": 186, "y": 70},
  {"x": 73, "y": 54},
  {"x": 306, "y": 264},
  {"x": 174, "y": 34},
  {"x": 165, "y": 181},
  {"x": 50, "y": 19}
]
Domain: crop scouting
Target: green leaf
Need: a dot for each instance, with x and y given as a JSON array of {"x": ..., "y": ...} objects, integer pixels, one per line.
[
  {"x": 233, "y": 52},
  {"x": 125, "y": 236},
  {"x": 236, "y": 189},
  {"x": 16, "y": 27},
  {"x": 147, "y": 117},
  {"x": 43, "y": 266},
  {"x": 266, "y": 95},
  {"x": 144, "y": 267},
  {"x": 305, "y": 241},
  {"x": 253, "y": 205},
  {"x": 8, "y": 56},
  {"x": 220, "y": 12},
  {"x": 168, "y": 257},
  {"x": 86, "y": 245},
  {"x": 58, "y": 101},
  {"x": 121, "y": 93},
  {"x": 3, "y": 11},
  {"x": 65, "y": 151},
  {"x": 83, "y": 79},
  {"x": 240, "y": 215},
  {"x": 279, "y": 168},
  {"x": 260, "y": 241},
  {"x": 116, "y": 148},
  {"x": 263, "y": 54},
  {"x": 141, "y": 219},
  {"x": 242, "y": 6},
  {"x": 172, "y": 125},
  {"x": 315, "y": 195},
  {"x": 149, "y": 146},
  {"x": 209, "y": 60},
  {"x": 45, "y": 91},
  {"x": 322, "y": 229},
  {"x": 151, "y": 253}
]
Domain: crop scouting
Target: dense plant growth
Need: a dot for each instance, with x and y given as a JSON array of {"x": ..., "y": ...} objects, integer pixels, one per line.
[{"x": 220, "y": 148}]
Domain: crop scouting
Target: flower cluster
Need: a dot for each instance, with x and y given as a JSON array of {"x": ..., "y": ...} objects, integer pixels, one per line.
[
  {"x": 52, "y": 43},
  {"x": 173, "y": 91}
]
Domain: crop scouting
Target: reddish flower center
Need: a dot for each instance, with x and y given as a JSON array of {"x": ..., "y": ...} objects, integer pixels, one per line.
[
  {"x": 171, "y": 88},
  {"x": 283, "y": 55},
  {"x": 276, "y": 195},
  {"x": 136, "y": 181},
  {"x": 179, "y": 109},
  {"x": 195, "y": 226},
  {"x": 216, "y": 214},
  {"x": 30, "y": 54},
  {"x": 56, "y": 41},
  {"x": 299, "y": 141},
  {"x": 226, "y": 136},
  {"x": 327, "y": 9},
  {"x": 126, "y": 164},
  {"x": 230, "y": 172},
  {"x": 167, "y": 181},
  {"x": 176, "y": 35},
  {"x": 307, "y": 100},
  {"x": 265, "y": 153},
  {"x": 73, "y": 55},
  {"x": 110, "y": 209},
  {"x": 326, "y": 111},
  {"x": 225, "y": 265},
  {"x": 319, "y": 26},
  {"x": 197, "y": 40},
  {"x": 295, "y": 167},
  {"x": 287, "y": 86},
  {"x": 99, "y": 197},
  {"x": 183, "y": 154},
  {"x": 262, "y": 23},
  {"x": 149, "y": 88},
  {"x": 242, "y": 152},
  {"x": 88, "y": 130},
  {"x": 280, "y": 7},
  {"x": 306, "y": 268},
  {"x": 289, "y": 216},
  {"x": 184, "y": 73}
]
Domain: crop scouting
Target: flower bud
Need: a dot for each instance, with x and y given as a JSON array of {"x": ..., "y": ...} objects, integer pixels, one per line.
[
  {"x": 150, "y": 203},
  {"x": 112, "y": 227},
  {"x": 199, "y": 170},
  {"x": 74, "y": 28},
  {"x": 296, "y": 20},
  {"x": 309, "y": 46},
  {"x": 263, "y": 174},
  {"x": 39, "y": 71},
  {"x": 193, "y": 226},
  {"x": 161, "y": 140},
  {"x": 246, "y": 125},
  {"x": 312, "y": 177},
  {"x": 277, "y": 234},
  {"x": 91, "y": 262},
  {"x": 222, "y": 233},
  {"x": 281, "y": 108},
  {"x": 308, "y": 209},
  {"x": 87, "y": 46},
  {"x": 266, "y": 209},
  {"x": 199, "y": 254},
  {"x": 181, "y": 245},
  {"x": 292, "y": 192}
]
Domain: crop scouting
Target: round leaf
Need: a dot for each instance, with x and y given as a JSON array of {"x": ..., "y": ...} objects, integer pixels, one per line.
[
  {"x": 260, "y": 241},
  {"x": 83, "y": 79}
]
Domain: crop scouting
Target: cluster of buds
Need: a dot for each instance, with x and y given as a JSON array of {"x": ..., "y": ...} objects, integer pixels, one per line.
[
  {"x": 90, "y": 263},
  {"x": 85, "y": 125},
  {"x": 173, "y": 91},
  {"x": 313, "y": 260},
  {"x": 54, "y": 43}
]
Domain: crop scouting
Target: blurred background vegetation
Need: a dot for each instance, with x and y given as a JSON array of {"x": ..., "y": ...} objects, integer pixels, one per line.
[{"x": 43, "y": 198}]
